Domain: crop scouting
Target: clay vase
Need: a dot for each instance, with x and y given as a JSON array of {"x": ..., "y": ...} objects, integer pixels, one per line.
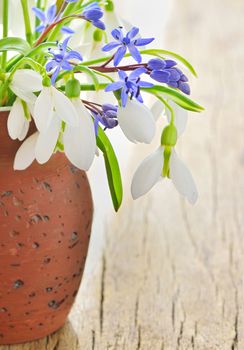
[{"x": 45, "y": 223}]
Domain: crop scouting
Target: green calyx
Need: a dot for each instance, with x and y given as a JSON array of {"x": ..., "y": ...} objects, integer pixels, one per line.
[
  {"x": 109, "y": 7},
  {"x": 72, "y": 88},
  {"x": 98, "y": 35},
  {"x": 169, "y": 136},
  {"x": 46, "y": 81}
]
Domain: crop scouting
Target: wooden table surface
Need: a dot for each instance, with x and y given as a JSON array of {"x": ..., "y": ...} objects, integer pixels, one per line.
[{"x": 171, "y": 276}]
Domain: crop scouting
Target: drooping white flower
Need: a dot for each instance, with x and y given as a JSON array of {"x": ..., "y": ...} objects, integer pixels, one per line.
[
  {"x": 147, "y": 174},
  {"x": 24, "y": 83},
  {"x": 137, "y": 122},
  {"x": 26, "y": 153},
  {"x": 52, "y": 101},
  {"x": 17, "y": 123},
  {"x": 80, "y": 141}
]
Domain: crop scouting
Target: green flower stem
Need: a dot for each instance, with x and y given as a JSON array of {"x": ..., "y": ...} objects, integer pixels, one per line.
[
  {"x": 28, "y": 31},
  {"x": 37, "y": 21},
  {"x": 5, "y": 30},
  {"x": 167, "y": 105},
  {"x": 88, "y": 87}
]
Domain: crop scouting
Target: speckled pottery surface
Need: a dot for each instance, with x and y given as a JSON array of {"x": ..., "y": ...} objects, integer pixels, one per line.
[{"x": 45, "y": 224}]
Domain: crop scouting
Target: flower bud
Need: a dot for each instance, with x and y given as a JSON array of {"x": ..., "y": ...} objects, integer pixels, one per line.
[
  {"x": 109, "y": 7},
  {"x": 98, "y": 35},
  {"x": 46, "y": 81},
  {"x": 169, "y": 136},
  {"x": 72, "y": 88}
]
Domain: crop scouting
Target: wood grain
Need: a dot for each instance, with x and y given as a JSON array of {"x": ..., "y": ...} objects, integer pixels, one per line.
[{"x": 171, "y": 276}]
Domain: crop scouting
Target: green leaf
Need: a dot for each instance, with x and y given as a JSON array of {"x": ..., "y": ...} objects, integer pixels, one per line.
[
  {"x": 112, "y": 168},
  {"x": 42, "y": 48},
  {"x": 160, "y": 53},
  {"x": 182, "y": 100},
  {"x": 90, "y": 73},
  {"x": 14, "y": 44}
]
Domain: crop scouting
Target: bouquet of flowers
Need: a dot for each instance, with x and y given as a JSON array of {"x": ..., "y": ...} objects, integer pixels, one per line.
[{"x": 71, "y": 48}]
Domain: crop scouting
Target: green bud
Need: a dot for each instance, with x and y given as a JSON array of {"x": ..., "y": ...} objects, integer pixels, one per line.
[
  {"x": 72, "y": 88},
  {"x": 98, "y": 35},
  {"x": 109, "y": 7},
  {"x": 169, "y": 136},
  {"x": 46, "y": 81}
]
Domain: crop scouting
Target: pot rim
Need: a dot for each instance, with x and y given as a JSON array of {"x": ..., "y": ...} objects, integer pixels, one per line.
[{"x": 5, "y": 109}]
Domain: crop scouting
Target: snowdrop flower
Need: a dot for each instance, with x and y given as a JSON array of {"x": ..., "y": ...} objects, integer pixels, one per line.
[
  {"x": 24, "y": 83},
  {"x": 137, "y": 122},
  {"x": 152, "y": 169},
  {"x": 80, "y": 141},
  {"x": 49, "y": 102},
  {"x": 18, "y": 124}
]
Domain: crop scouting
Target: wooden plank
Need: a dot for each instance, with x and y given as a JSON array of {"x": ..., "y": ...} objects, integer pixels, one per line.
[{"x": 171, "y": 276}]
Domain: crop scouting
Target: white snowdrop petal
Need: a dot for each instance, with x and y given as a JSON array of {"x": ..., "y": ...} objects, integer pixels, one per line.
[
  {"x": 16, "y": 120},
  {"x": 181, "y": 117},
  {"x": 43, "y": 110},
  {"x": 24, "y": 95},
  {"x": 64, "y": 108},
  {"x": 24, "y": 130},
  {"x": 137, "y": 122},
  {"x": 47, "y": 141},
  {"x": 157, "y": 109},
  {"x": 148, "y": 174},
  {"x": 80, "y": 141},
  {"x": 182, "y": 179},
  {"x": 27, "y": 80},
  {"x": 26, "y": 153}
]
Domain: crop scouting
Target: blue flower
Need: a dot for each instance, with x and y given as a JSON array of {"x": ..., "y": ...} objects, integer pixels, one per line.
[
  {"x": 123, "y": 43},
  {"x": 164, "y": 71},
  {"x": 93, "y": 14},
  {"x": 61, "y": 59},
  {"x": 107, "y": 117},
  {"x": 130, "y": 85},
  {"x": 46, "y": 18}
]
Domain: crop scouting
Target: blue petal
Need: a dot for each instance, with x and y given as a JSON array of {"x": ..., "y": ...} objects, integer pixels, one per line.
[
  {"x": 110, "y": 46},
  {"x": 66, "y": 65},
  {"x": 174, "y": 74},
  {"x": 65, "y": 43},
  {"x": 137, "y": 72},
  {"x": 99, "y": 24},
  {"x": 173, "y": 84},
  {"x": 184, "y": 87},
  {"x": 135, "y": 53},
  {"x": 40, "y": 28},
  {"x": 114, "y": 86},
  {"x": 55, "y": 74},
  {"x": 170, "y": 63},
  {"x": 119, "y": 55},
  {"x": 145, "y": 84},
  {"x": 67, "y": 30},
  {"x": 184, "y": 78},
  {"x": 117, "y": 34},
  {"x": 51, "y": 65},
  {"x": 156, "y": 64},
  {"x": 93, "y": 14},
  {"x": 109, "y": 107},
  {"x": 132, "y": 33},
  {"x": 122, "y": 75},
  {"x": 51, "y": 13},
  {"x": 73, "y": 54},
  {"x": 39, "y": 14},
  {"x": 124, "y": 97},
  {"x": 160, "y": 75},
  {"x": 143, "y": 42}
]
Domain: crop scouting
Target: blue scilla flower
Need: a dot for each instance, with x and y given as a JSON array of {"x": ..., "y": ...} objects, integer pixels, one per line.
[
  {"x": 61, "y": 59},
  {"x": 123, "y": 43},
  {"x": 130, "y": 85},
  {"x": 165, "y": 71},
  {"x": 46, "y": 18},
  {"x": 107, "y": 117},
  {"x": 93, "y": 13}
]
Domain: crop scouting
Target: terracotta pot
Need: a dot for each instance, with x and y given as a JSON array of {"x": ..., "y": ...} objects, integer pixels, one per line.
[{"x": 45, "y": 223}]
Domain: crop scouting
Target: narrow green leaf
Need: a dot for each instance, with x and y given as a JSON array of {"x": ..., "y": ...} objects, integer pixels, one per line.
[
  {"x": 14, "y": 44},
  {"x": 182, "y": 100},
  {"x": 90, "y": 73},
  {"x": 112, "y": 168},
  {"x": 160, "y": 53}
]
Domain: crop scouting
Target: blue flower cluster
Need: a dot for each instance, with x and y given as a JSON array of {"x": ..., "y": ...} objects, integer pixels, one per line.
[
  {"x": 165, "y": 71},
  {"x": 107, "y": 117}
]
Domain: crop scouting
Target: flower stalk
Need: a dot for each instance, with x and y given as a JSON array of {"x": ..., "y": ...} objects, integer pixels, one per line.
[
  {"x": 28, "y": 30},
  {"x": 5, "y": 19}
]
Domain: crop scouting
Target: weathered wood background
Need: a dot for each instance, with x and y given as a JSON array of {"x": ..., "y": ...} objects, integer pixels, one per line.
[{"x": 171, "y": 276}]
